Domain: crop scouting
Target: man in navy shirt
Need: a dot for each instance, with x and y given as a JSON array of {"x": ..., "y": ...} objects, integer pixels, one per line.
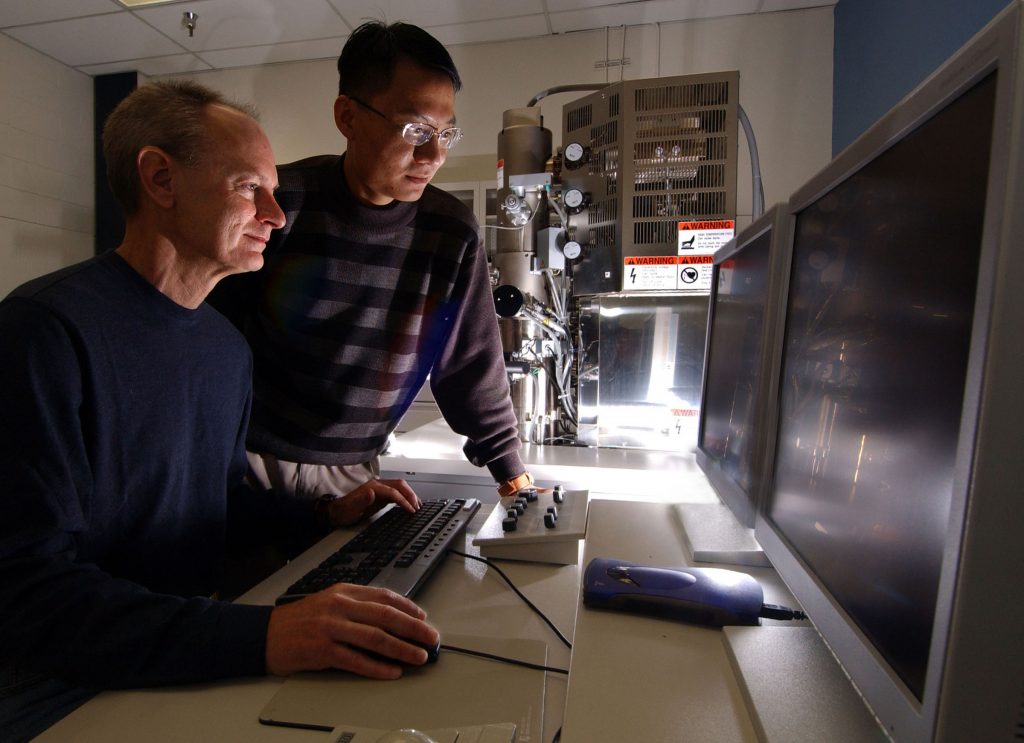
[{"x": 125, "y": 402}]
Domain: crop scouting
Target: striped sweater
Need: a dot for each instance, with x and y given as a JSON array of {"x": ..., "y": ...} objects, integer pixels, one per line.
[{"x": 354, "y": 307}]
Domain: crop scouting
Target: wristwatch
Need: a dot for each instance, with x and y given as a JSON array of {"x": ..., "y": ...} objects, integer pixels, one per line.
[{"x": 517, "y": 483}]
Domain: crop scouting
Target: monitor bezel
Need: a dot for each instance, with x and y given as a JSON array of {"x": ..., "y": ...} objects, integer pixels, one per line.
[
  {"x": 776, "y": 221},
  {"x": 984, "y": 551}
]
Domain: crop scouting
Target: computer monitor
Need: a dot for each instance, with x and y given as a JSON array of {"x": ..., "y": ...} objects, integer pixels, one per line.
[
  {"x": 895, "y": 511},
  {"x": 737, "y": 401}
]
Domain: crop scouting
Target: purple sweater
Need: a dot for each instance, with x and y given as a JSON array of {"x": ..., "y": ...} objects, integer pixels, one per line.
[{"x": 355, "y": 306}]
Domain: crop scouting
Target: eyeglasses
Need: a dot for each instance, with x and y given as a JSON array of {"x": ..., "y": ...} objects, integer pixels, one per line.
[{"x": 418, "y": 133}]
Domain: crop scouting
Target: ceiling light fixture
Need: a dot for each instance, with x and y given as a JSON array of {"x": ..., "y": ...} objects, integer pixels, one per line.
[
  {"x": 140, "y": 3},
  {"x": 189, "y": 21}
]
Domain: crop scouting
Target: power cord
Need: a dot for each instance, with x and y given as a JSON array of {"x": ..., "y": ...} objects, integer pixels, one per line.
[{"x": 518, "y": 593}]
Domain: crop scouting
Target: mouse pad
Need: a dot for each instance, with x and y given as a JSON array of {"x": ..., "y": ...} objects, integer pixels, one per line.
[{"x": 457, "y": 690}]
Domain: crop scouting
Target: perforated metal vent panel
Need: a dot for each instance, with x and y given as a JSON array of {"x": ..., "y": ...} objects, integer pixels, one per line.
[{"x": 662, "y": 150}]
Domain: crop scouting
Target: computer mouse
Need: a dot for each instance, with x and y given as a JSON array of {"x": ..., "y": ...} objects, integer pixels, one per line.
[
  {"x": 405, "y": 735},
  {"x": 710, "y": 596},
  {"x": 432, "y": 651}
]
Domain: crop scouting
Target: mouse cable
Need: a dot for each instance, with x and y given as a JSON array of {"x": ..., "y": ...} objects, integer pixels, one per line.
[
  {"x": 519, "y": 593},
  {"x": 502, "y": 659}
]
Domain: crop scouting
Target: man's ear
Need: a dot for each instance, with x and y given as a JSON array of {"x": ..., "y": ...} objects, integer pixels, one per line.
[
  {"x": 344, "y": 109},
  {"x": 154, "y": 166}
]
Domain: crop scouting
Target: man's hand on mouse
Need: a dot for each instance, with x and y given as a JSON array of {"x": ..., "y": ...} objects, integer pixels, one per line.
[
  {"x": 369, "y": 498},
  {"x": 328, "y": 629}
]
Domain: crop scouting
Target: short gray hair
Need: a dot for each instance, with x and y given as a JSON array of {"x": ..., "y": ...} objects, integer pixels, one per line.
[{"x": 168, "y": 115}]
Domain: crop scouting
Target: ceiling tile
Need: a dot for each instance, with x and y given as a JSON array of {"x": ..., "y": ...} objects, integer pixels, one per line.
[
  {"x": 433, "y": 12},
  {"x": 225, "y": 24},
  {"x": 151, "y": 66},
  {"x": 291, "y": 52},
  {"x": 21, "y": 12},
  {"x": 650, "y": 11},
  {"x": 98, "y": 36},
  {"x": 95, "y": 40},
  {"x": 557, "y": 6},
  {"x": 501, "y": 30}
]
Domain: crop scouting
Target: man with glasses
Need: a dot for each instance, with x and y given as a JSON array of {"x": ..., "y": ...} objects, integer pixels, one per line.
[{"x": 376, "y": 280}]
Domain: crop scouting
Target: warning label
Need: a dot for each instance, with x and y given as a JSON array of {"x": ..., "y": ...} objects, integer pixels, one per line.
[
  {"x": 698, "y": 241},
  {"x": 651, "y": 260},
  {"x": 666, "y": 273},
  {"x": 645, "y": 273},
  {"x": 690, "y": 269}
]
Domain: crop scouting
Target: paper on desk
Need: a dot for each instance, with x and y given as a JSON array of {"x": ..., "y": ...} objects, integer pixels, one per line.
[{"x": 458, "y": 690}]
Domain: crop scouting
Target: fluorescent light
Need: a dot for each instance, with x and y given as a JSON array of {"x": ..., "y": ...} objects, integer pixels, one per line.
[{"x": 138, "y": 3}]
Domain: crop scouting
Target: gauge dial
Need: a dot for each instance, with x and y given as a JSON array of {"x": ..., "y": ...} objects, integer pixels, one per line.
[{"x": 573, "y": 198}]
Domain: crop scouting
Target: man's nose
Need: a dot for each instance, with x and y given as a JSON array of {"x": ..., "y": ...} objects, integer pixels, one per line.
[{"x": 431, "y": 151}]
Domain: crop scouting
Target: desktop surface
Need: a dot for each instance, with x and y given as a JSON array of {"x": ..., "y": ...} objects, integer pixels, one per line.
[
  {"x": 645, "y": 678},
  {"x": 463, "y": 597},
  {"x": 632, "y": 677}
]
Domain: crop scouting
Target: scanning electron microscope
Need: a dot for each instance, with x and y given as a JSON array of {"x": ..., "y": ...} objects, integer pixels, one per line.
[{"x": 601, "y": 257}]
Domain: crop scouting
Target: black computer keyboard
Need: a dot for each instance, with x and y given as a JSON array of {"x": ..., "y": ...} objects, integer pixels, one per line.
[{"x": 398, "y": 550}]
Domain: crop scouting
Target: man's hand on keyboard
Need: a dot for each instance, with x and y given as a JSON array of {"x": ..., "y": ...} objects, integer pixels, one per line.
[
  {"x": 327, "y": 629},
  {"x": 369, "y": 498}
]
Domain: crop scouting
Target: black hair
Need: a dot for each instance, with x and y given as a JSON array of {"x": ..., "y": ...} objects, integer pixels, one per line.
[{"x": 367, "y": 61}]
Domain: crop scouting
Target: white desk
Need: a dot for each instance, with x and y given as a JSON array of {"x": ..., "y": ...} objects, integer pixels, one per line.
[
  {"x": 461, "y": 598},
  {"x": 430, "y": 457},
  {"x": 633, "y": 678},
  {"x": 636, "y": 678}
]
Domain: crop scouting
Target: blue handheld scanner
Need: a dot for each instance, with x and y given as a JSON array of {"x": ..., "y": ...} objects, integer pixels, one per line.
[{"x": 710, "y": 596}]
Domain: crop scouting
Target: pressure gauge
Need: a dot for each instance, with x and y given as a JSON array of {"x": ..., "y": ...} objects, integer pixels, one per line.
[
  {"x": 572, "y": 250},
  {"x": 574, "y": 154},
  {"x": 573, "y": 198}
]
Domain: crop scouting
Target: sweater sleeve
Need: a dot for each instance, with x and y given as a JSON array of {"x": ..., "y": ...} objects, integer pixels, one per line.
[
  {"x": 62, "y": 615},
  {"x": 468, "y": 378}
]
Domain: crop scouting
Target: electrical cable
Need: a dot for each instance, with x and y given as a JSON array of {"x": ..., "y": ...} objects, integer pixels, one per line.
[
  {"x": 757, "y": 187},
  {"x": 518, "y": 593},
  {"x": 566, "y": 89},
  {"x": 773, "y": 611},
  {"x": 502, "y": 659}
]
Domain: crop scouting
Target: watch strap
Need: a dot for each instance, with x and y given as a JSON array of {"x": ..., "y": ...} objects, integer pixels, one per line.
[{"x": 517, "y": 483}]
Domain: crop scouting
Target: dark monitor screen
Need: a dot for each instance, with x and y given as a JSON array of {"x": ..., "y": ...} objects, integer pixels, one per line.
[
  {"x": 878, "y": 333},
  {"x": 733, "y": 368}
]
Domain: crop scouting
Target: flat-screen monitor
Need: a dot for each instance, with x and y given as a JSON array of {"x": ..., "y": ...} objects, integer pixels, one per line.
[
  {"x": 895, "y": 510},
  {"x": 748, "y": 278}
]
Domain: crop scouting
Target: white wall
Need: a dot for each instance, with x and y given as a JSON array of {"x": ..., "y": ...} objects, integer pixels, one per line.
[
  {"x": 46, "y": 165},
  {"x": 784, "y": 59}
]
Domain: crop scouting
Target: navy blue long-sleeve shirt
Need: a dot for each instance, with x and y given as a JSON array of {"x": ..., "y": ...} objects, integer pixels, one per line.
[{"x": 122, "y": 425}]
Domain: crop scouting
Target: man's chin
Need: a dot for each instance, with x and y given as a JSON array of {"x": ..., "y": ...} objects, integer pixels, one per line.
[
  {"x": 248, "y": 262},
  {"x": 411, "y": 191}
]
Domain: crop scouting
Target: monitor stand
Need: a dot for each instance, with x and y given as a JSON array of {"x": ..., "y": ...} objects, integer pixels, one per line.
[
  {"x": 712, "y": 534},
  {"x": 795, "y": 689}
]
